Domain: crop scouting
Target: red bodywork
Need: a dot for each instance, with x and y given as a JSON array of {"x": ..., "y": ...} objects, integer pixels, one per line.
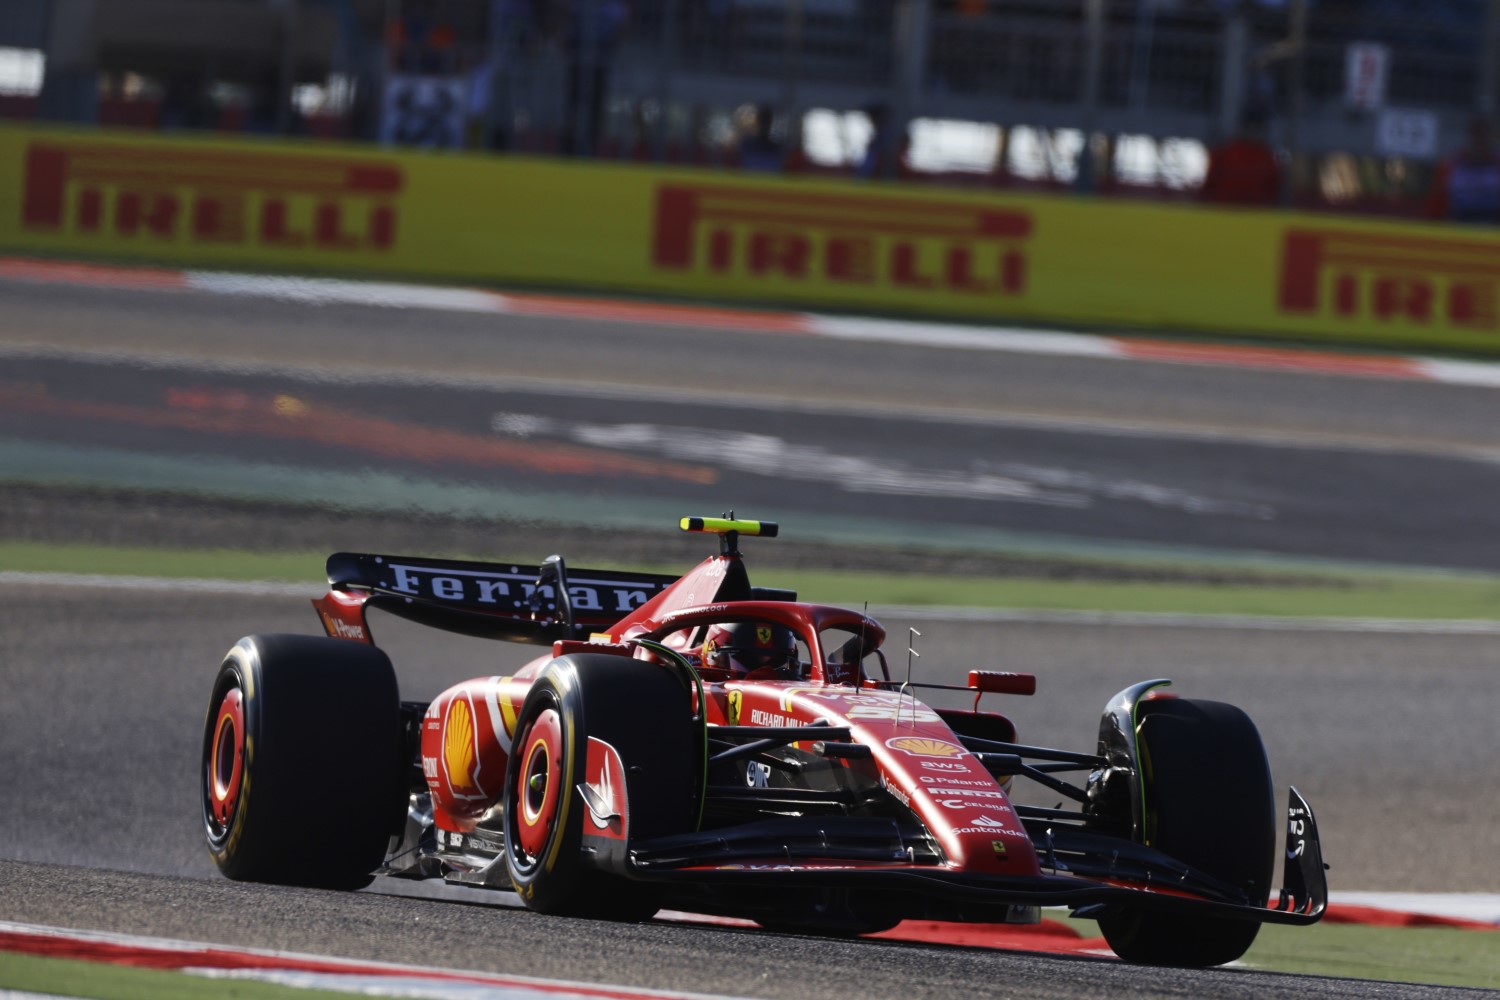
[
  {"x": 941, "y": 776},
  {"x": 467, "y": 730}
]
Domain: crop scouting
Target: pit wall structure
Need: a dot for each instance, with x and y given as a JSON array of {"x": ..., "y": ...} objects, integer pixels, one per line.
[{"x": 831, "y": 245}]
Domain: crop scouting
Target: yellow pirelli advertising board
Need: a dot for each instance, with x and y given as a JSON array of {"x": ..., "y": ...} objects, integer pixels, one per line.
[{"x": 816, "y": 244}]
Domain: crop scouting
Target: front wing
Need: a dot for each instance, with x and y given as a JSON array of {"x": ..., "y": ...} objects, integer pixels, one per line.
[{"x": 1129, "y": 876}]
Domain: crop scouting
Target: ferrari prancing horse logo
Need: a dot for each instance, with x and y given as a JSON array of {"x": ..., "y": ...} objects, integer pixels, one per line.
[{"x": 732, "y": 713}]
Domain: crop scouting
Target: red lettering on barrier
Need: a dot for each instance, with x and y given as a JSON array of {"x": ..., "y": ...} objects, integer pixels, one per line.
[
  {"x": 1357, "y": 276},
  {"x": 219, "y": 220},
  {"x": 924, "y": 246},
  {"x": 316, "y": 203},
  {"x": 783, "y": 252},
  {"x": 851, "y": 258}
]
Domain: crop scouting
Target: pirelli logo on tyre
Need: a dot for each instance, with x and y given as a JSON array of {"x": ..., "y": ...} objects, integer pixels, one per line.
[
  {"x": 924, "y": 246},
  {"x": 1362, "y": 277},
  {"x": 167, "y": 195}
]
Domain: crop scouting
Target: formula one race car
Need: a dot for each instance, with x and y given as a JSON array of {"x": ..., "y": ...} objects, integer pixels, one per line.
[{"x": 717, "y": 747}]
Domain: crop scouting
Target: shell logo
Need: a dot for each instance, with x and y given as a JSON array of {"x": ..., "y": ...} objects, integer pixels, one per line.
[
  {"x": 922, "y": 746},
  {"x": 458, "y": 744}
]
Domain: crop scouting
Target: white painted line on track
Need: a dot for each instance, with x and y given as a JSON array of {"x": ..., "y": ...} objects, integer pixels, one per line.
[
  {"x": 332, "y": 291},
  {"x": 1476, "y": 373},
  {"x": 997, "y": 338},
  {"x": 934, "y": 613}
]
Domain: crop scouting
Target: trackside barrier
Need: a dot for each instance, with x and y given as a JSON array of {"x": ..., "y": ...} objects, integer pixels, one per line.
[{"x": 834, "y": 245}]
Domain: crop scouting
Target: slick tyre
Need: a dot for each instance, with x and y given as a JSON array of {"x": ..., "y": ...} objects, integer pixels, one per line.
[
  {"x": 645, "y": 712},
  {"x": 1209, "y": 803},
  {"x": 300, "y": 771}
]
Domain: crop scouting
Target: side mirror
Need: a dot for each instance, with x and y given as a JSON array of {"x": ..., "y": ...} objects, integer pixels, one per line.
[{"x": 1002, "y": 682}]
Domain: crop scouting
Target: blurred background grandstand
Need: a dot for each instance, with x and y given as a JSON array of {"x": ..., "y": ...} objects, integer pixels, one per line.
[{"x": 1354, "y": 102}]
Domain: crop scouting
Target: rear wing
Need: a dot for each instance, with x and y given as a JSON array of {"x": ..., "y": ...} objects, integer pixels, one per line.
[{"x": 511, "y": 601}]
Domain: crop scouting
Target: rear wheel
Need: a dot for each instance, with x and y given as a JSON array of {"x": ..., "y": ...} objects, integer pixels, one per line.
[
  {"x": 644, "y": 712},
  {"x": 300, "y": 767},
  {"x": 1209, "y": 803}
]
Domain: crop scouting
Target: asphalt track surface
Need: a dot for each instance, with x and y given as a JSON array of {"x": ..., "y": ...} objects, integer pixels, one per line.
[
  {"x": 1391, "y": 737},
  {"x": 1085, "y": 450}
]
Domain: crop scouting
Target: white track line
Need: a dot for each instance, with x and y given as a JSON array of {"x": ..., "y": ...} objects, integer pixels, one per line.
[{"x": 329, "y": 291}]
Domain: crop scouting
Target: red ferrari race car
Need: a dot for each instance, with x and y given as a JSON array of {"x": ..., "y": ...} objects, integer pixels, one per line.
[{"x": 718, "y": 747}]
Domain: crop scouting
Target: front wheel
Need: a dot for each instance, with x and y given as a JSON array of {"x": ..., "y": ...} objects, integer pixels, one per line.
[
  {"x": 301, "y": 761},
  {"x": 1210, "y": 804},
  {"x": 643, "y": 714}
]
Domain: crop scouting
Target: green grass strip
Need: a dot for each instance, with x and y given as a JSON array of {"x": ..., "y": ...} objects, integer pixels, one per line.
[
  {"x": 1355, "y": 595},
  {"x": 1435, "y": 956},
  {"x": 1390, "y": 597},
  {"x": 209, "y": 564},
  {"x": 72, "y": 977},
  {"x": 1441, "y": 956}
]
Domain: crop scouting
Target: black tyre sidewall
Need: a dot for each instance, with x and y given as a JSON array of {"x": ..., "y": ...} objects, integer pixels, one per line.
[
  {"x": 548, "y": 884},
  {"x": 322, "y": 748},
  {"x": 1211, "y": 802},
  {"x": 640, "y": 709}
]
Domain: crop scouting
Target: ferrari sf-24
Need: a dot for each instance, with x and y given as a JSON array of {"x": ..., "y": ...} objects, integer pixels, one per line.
[{"x": 707, "y": 745}]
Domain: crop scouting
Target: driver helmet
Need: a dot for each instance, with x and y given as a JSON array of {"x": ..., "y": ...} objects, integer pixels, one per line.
[{"x": 752, "y": 648}]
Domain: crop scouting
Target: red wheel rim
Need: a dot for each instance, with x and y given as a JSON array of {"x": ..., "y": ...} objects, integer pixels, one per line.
[
  {"x": 539, "y": 783},
  {"x": 226, "y": 761}
]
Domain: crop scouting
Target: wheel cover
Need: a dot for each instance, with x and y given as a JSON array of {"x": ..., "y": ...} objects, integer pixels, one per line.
[
  {"x": 539, "y": 787},
  {"x": 226, "y": 761}
]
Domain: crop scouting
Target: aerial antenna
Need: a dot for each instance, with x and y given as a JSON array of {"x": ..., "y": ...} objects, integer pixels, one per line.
[
  {"x": 859, "y": 668},
  {"x": 911, "y": 654},
  {"x": 729, "y": 542}
]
